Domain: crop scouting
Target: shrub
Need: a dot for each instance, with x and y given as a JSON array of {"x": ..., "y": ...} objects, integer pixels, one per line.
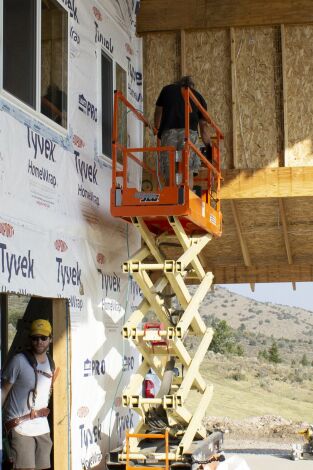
[
  {"x": 304, "y": 360},
  {"x": 273, "y": 354},
  {"x": 238, "y": 375},
  {"x": 263, "y": 354},
  {"x": 224, "y": 339}
]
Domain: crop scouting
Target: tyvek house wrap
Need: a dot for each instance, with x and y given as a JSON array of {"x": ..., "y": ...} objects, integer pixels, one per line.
[{"x": 60, "y": 228}]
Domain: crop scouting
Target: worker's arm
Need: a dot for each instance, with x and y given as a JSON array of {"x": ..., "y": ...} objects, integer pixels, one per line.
[
  {"x": 204, "y": 132},
  {"x": 157, "y": 116},
  {"x": 5, "y": 390}
]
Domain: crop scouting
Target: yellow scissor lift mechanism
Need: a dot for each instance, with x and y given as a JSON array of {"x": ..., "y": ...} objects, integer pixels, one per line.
[{"x": 168, "y": 433}]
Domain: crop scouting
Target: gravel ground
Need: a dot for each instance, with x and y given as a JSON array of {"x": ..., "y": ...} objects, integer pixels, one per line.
[
  {"x": 265, "y": 428},
  {"x": 264, "y": 442}
]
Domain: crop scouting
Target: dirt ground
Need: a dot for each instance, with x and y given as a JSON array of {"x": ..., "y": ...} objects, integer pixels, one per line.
[
  {"x": 257, "y": 427},
  {"x": 264, "y": 442}
]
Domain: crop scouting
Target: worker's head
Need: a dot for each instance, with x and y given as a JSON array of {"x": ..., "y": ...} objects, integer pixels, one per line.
[
  {"x": 40, "y": 335},
  {"x": 186, "y": 80}
]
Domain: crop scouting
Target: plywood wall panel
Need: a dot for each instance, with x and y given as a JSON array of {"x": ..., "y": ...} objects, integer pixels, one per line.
[
  {"x": 258, "y": 129},
  {"x": 299, "y": 77},
  {"x": 257, "y": 134},
  {"x": 208, "y": 61},
  {"x": 161, "y": 66},
  {"x": 257, "y": 88}
]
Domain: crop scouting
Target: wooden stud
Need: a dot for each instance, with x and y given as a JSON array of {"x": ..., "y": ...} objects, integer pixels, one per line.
[
  {"x": 60, "y": 388},
  {"x": 182, "y": 53},
  {"x": 234, "y": 95},
  {"x": 285, "y": 102},
  {"x": 4, "y": 326}
]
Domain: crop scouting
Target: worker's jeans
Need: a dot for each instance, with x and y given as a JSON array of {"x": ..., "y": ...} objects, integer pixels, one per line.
[{"x": 176, "y": 138}]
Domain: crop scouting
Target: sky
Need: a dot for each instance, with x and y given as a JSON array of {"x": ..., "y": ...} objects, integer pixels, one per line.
[{"x": 278, "y": 293}]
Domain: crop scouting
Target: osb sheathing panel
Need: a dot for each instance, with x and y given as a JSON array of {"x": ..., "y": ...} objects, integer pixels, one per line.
[
  {"x": 161, "y": 66},
  {"x": 256, "y": 129},
  {"x": 208, "y": 61},
  {"x": 258, "y": 88},
  {"x": 299, "y": 74}
]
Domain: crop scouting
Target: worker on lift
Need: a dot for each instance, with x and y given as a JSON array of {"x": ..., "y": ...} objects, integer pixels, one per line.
[{"x": 169, "y": 119}]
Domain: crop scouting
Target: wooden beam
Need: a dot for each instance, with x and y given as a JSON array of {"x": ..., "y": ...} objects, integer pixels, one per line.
[
  {"x": 274, "y": 273},
  {"x": 234, "y": 94},
  {"x": 243, "y": 244},
  {"x": 169, "y": 15},
  {"x": 285, "y": 232},
  {"x": 60, "y": 388},
  {"x": 285, "y": 103},
  {"x": 285, "y": 229},
  {"x": 4, "y": 327},
  {"x": 182, "y": 53},
  {"x": 267, "y": 182}
]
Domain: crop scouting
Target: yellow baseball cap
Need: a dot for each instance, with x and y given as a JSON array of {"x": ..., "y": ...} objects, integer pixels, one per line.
[{"x": 41, "y": 327}]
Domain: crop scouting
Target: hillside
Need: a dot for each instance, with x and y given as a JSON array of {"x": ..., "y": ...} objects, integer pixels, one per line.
[
  {"x": 260, "y": 317},
  {"x": 259, "y": 323},
  {"x": 246, "y": 387}
]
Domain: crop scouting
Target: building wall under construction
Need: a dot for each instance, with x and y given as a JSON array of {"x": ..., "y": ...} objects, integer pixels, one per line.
[
  {"x": 58, "y": 239},
  {"x": 257, "y": 82}
]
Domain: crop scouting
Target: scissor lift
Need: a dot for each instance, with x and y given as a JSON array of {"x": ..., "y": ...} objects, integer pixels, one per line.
[{"x": 170, "y": 214}]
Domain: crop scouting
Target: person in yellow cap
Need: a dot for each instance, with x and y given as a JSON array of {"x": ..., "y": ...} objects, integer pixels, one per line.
[{"x": 26, "y": 388}]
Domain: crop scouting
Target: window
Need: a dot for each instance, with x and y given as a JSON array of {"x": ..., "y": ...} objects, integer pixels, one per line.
[
  {"x": 35, "y": 55},
  {"x": 19, "y": 49},
  {"x": 107, "y": 104},
  {"x": 107, "y": 69}
]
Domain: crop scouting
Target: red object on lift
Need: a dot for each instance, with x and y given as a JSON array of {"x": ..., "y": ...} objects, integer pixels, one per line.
[
  {"x": 156, "y": 326},
  {"x": 148, "y": 388}
]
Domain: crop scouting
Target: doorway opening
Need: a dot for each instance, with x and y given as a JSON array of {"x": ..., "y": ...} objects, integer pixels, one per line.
[{"x": 17, "y": 314}]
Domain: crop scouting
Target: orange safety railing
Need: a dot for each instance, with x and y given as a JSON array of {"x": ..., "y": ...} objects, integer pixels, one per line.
[
  {"x": 172, "y": 197},
  {"x": 147, "y": 436}
]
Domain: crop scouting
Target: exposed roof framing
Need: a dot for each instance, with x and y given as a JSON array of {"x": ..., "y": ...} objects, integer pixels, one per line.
[
  {"x": 272, "y": 273},
  {"x": 285, "y": 231},
  {"x": 169, "y": 15},
  {"x": 243, "y": 244}
]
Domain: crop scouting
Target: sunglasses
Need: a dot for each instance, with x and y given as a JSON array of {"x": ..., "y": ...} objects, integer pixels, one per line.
[{"x": 37, "y": 338}]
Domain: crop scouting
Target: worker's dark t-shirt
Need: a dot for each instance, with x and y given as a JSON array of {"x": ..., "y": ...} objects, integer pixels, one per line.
[{"x": 173, "y": 113}]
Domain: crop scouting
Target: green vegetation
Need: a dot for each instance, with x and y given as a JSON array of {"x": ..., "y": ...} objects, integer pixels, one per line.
[
  {"x": 245, "y": 387},
  {"x": 273, "y": 354},
  {"x": 304, "y": 360},
  {"x": 224, "y": 339}
]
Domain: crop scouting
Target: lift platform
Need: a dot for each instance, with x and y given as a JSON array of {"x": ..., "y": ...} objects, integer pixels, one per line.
[
  {"x": 198, "y": 213},
  {"x": 171, "y": 213}
]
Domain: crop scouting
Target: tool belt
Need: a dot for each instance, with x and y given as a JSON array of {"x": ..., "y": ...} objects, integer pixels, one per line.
[{"x": 12, "y": 423}]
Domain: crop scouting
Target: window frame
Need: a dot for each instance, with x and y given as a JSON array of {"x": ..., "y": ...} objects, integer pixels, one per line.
[
  {"x": 105, "y": 158},
  {"x": 36, "y": 113}
]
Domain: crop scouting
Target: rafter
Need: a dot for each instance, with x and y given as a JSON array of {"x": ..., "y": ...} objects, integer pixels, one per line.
[
  {"x": 285, "y": 232},
  {"x": 243, "y": 244}
]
